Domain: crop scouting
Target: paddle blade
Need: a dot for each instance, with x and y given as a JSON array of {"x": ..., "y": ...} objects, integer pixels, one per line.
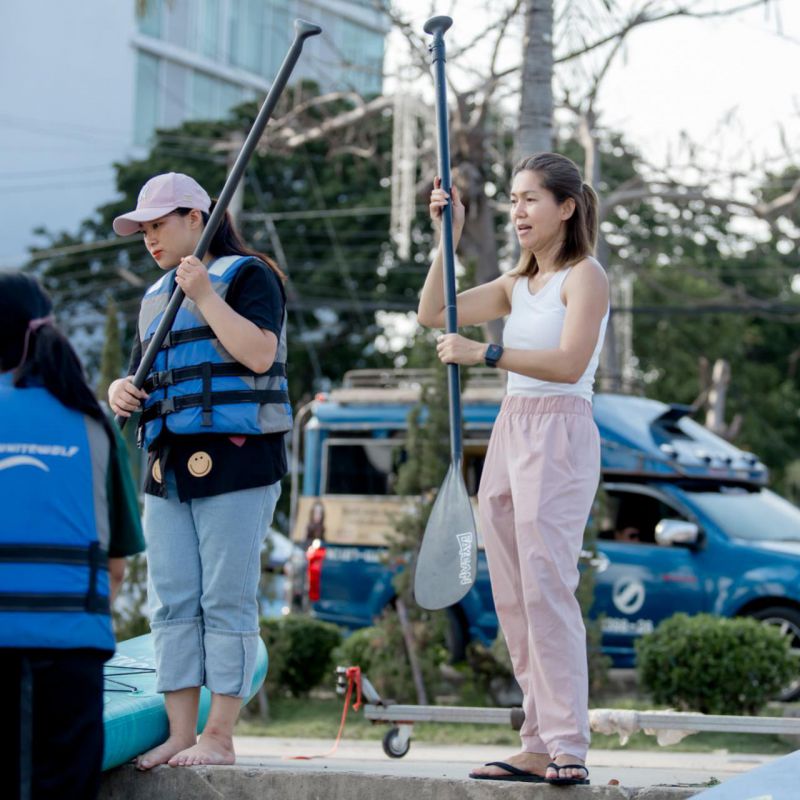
[{"x": 448, "y": 559}]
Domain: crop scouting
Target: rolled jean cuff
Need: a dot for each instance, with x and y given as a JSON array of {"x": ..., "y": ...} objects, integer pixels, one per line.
[
  {"x": 179, "y": 653},
  {"x": 230, "y": 661}
]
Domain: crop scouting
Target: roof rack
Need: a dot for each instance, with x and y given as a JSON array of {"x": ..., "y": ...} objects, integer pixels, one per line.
[
  {"x": 402, "y": 377},
  {"x": 367, "y": 386}
]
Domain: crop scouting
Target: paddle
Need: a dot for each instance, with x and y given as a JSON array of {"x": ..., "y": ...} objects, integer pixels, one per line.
[
  {"x": 302, "y": 31},
  {"x": 447, "y": 560}
]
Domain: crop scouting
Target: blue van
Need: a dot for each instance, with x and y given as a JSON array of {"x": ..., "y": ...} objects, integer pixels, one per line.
[{"x": 685, "y": 519}]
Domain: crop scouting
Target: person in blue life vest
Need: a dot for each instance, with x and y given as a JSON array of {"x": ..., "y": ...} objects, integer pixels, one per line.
[
  {"x": 70, "y": 517},
  {"x": 215, "y": 408}
]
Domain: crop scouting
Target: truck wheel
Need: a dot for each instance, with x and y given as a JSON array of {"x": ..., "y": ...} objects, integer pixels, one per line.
[
  {"x": 787, "y": 621},
  {"x": 455, "y": 636},
  {"x": 393, "y": 745}
]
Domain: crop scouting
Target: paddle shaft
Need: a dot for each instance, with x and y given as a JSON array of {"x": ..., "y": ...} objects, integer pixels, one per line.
[
  {"x": 302, "y": 31},
  {"x": 437, "y": 26}
]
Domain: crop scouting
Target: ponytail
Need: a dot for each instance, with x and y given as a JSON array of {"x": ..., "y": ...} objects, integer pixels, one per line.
[
  {"x": 590, "y": 215},
  {"x": 227, "y": 240}
]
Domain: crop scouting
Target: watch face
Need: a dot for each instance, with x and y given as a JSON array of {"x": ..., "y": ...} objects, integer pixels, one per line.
[{"x": 493, "y": 353}]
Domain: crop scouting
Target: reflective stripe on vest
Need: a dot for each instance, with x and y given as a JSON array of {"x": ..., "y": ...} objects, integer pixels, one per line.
[
  {"x": 54, "y": 584},
  {"x": 195, "y": 385}
]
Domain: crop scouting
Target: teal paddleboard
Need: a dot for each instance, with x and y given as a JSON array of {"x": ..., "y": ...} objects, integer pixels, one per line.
[{"x": 134, "y": 717}]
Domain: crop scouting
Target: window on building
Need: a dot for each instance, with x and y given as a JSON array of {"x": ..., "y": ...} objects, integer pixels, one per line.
[
  {"x": 177, "y": 22},
  {"x": 361, "y": 52},
  {"x": 212, "y": 98},
  {"x": 147, "y": 96},
  {"x": 208, "y": 30},
  {"x": 248, "y": 34},
  {"x": 150, "y": 23},
  {"x": 279, "y": 36}
]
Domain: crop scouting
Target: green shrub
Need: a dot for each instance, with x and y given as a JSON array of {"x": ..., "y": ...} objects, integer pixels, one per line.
[
  {"x": 380, "y": 651},
  {"x": 357, "y": 649},
  {"x": 714, "y": 665},
  {"x": 300, "y": 650}
]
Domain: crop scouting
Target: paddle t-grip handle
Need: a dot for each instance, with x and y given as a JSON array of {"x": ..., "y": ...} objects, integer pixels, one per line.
[{"x": 438, "y": 26}]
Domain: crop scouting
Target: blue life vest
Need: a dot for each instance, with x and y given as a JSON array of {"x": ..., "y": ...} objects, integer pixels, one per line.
[
  {"x": 54, "y": 533},
  {"x": 195, "y": 385}
]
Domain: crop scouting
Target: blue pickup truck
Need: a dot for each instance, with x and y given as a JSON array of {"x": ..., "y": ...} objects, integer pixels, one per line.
[{"x": 685, "y": 520}]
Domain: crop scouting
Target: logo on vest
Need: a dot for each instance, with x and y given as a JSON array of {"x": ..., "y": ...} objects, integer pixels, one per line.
[
  {"x": 24, "y": 454},
  {"x": 23, "y": 461}
]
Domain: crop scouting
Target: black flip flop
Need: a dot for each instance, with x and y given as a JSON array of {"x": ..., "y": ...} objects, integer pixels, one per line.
[
  {"x": 567, "y": 781},
  {"x": 515, "y": 774}
]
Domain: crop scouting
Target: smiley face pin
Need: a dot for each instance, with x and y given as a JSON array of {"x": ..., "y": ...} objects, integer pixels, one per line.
[{"x": 199, "y": 464}]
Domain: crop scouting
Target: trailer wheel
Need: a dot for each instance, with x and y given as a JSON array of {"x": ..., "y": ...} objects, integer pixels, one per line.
[{"x": 393, "y": 744}]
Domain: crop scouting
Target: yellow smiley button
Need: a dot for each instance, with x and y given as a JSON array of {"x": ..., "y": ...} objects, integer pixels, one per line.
[
  {"x": 199, "y": 464},
  {"x": 156, "y": 471}
]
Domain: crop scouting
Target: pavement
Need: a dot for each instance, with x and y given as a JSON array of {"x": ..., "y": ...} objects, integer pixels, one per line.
[{"x": 269, "y": 768}]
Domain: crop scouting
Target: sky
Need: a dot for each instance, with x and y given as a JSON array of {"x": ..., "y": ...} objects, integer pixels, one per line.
[{"x": 673, "y": 77}]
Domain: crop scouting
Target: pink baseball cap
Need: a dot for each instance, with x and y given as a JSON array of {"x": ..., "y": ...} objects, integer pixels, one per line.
[{"x": 159, "y": 196}]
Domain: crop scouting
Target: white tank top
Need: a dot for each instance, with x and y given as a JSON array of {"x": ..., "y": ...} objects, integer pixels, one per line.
[{"x": 535, "y": 323}]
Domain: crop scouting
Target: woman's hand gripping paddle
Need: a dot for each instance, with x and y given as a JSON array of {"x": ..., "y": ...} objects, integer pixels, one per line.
[
  {"x": 447, "y": 560},
  {"x": 302, "y": 31}
]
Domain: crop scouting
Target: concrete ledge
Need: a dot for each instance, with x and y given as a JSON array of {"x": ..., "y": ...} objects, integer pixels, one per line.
[{"x": 260, "y": 783}]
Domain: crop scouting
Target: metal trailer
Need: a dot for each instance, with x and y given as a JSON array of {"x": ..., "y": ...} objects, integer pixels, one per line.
[{"x": 401, "y": 718}]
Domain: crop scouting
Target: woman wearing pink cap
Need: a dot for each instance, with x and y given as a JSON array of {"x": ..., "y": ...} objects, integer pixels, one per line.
[
  {"x": 215, "y": 408},
  {"x": 542, "y": 467}
]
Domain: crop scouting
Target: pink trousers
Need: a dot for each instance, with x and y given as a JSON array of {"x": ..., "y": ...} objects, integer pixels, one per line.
[{"x": 540, "y": 477}]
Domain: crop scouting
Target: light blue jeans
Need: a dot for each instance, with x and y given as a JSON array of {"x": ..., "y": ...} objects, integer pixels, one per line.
[{"x": 204, "y": 564}]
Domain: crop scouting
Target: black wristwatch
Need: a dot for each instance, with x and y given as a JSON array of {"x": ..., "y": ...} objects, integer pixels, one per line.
[{"x": 494, "y": 352}]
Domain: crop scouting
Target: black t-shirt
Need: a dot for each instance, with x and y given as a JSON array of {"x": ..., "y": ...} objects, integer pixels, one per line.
[{"x": 211, "y": 464}]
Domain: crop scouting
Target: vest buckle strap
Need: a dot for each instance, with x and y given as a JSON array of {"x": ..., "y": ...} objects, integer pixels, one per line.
[
  {"x": 158, "y": 379},
  {"x": 165, "y": 378},
  {"x": 235, "y": 396},
  {"x": 165, "y": 406},
  {"x": 67, "y": 555},
  {"x": 52, "y": 602}
]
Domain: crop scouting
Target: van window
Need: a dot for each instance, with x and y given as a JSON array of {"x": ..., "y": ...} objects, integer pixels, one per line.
[
  {"x": 631, "y": 516},
  {"x": 761, "y": 515},
  {"x": 363, "y": 467},
  {"x": 369, "y": 466}
]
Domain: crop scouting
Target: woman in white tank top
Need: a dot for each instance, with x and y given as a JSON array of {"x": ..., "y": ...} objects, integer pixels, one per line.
[{"x": 542, "y": 467}]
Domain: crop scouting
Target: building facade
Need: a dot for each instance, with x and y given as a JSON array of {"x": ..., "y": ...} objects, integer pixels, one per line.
[
  {"x": 197, "y": 58},
  {"x": 93, "y": 80}
]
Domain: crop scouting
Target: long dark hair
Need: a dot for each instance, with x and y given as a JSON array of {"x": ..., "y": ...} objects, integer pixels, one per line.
[
  {"x": 41, "y": 355},
  {"x": 228, "y": 241},
  {"x": 561, "y": 176}
]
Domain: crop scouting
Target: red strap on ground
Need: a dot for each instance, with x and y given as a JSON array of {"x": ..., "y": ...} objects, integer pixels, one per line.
[{"x": 353, "y": 680}]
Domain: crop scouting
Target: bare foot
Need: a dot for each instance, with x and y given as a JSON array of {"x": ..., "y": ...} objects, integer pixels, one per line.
[
  {"x": 577, "y": 773},
  {"x": 535, "y": 763},
  {"x": 210, "y": 749},
  {"x": 164, "y": 752}
]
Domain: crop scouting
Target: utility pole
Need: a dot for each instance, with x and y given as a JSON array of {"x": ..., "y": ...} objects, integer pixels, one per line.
[
  {"x": 235, "y": 142},
  {"x": 404, "y": 159},
  {"x": 717, "y": 395}
]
